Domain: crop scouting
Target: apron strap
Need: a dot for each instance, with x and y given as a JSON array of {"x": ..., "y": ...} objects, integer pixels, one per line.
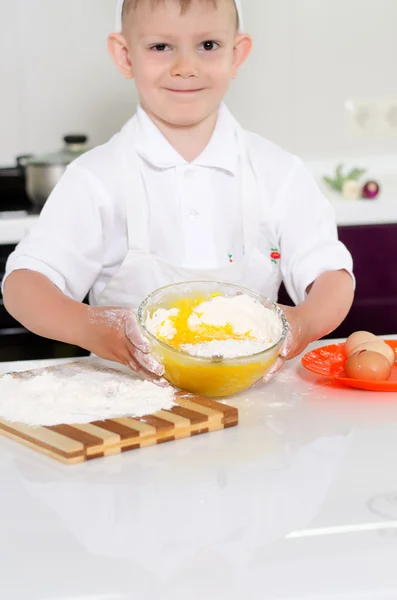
[
  {"x": 250, "y": 201},
  {"x": 137, "y": 208},
  {"x": 136, "y": 204}
]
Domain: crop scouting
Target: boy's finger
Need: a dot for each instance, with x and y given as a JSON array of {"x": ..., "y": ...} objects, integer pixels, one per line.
[
  {"x": 145, "y": 360},
  {"x": 137, "y": 368},
  {"x": 134, "y": 334},
  {"x": 288, "y": 345},
  {"x": 275, "y": 369}
]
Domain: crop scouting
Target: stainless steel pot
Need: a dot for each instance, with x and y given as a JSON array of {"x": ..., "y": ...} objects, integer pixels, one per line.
[{"x": 44, "y": 171}]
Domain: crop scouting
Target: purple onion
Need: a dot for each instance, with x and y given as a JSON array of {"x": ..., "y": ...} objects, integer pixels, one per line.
[{"x": 371, "y": 190}]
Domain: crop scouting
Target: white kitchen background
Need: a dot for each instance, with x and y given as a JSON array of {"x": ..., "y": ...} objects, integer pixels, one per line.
[{"x": 310, "y": 57}]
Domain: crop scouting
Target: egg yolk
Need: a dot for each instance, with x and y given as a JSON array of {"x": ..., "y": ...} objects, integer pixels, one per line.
[{"x": 203, "y": 332}]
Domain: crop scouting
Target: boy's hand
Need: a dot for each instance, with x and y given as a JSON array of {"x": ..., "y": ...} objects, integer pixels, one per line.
[
  {"x": 300, "y": 331},
  {"x": 329, "y": 299},
  {"x": 298, "y": 338},
  {"x": 114, "y": 334}
]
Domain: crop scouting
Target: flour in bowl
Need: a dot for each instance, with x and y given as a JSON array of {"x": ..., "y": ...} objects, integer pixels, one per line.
[
  {"x": 51, "y": 399},
  {"x": 227, "y": 326},
  {"x": 226, "y": 348},
  {"x": 159, "y": 324},
  {"x": 245, "y": 315}
]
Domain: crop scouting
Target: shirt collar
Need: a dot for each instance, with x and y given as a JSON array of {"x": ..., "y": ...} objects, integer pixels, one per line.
[{"x": 221, "y": 151}]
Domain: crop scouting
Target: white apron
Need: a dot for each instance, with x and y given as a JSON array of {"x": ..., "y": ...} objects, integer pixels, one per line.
[{"x": 142, "y": 272}]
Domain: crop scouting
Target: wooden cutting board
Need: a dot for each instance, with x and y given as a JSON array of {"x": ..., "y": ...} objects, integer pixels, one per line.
[{"x": 73, "y": 444}]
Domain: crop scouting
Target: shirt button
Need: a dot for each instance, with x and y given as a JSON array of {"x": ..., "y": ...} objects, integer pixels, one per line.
[
  {"x": 189, "y": 173},
  {"x": 194, "y": 215}
]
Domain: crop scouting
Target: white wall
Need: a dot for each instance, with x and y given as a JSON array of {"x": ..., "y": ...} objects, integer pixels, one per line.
[
  {"x": 309, "y": 57},
  {"x": 57, "y": 76}
]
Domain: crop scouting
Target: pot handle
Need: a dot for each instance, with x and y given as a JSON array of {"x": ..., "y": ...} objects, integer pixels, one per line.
[{"x": 23, "y": 160}]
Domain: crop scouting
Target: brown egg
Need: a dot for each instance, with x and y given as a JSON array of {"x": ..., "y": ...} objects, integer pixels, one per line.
[
  {"x": 357, "y": 338},
  {"x": 368, "y": 365},
  {"x": 377, "y": 346}
]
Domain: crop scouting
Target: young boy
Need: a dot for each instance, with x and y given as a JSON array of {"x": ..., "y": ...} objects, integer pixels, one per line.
[{"x": 181, "y": 193}]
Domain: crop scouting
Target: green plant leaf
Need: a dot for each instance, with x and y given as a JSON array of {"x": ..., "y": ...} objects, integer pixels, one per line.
[
  {"x": 335, "y": 185},
  {"x": 356, "y": 173},
  {"x": 340, "y": 178}
]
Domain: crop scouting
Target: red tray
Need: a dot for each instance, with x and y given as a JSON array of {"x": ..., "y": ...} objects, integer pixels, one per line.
[{"x": 329, "y": 361}]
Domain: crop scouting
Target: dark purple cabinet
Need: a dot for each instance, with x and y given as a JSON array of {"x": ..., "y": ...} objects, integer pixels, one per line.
[{"x": 374, "y": 251}]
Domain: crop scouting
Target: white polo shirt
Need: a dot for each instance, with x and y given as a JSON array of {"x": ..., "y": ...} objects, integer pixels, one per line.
[{"x": 195, "y": 212}]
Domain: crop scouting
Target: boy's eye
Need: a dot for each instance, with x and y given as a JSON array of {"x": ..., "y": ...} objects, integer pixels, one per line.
[
  {"x": 159, "y": 47},
  {"x": 209, "y": 45}
]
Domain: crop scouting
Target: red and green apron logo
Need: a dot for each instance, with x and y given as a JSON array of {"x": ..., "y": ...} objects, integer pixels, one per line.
[{"x": 275, "y": 256}]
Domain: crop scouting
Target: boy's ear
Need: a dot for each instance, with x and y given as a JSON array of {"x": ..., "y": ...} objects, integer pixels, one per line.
[
  {"x": 118, "y": 50},
  {"x": 241, "y": 51}
]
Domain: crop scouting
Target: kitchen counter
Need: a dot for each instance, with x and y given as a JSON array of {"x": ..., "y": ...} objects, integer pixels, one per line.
[
  {"x": 382, "y": 168},
  {"x": 348, "y": 213},
  {"x": 297, "y": 502},
  {"x": 14, "y": 226}
]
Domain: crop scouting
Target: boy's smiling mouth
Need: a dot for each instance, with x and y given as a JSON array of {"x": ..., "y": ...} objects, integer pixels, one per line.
[{"x": 187, "y": 92}]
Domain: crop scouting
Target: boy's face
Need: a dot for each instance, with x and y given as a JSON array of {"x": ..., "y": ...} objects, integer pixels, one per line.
[{"x": 183, "y": 64}]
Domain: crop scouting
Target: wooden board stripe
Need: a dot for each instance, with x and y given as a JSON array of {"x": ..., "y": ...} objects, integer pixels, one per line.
[
  {"x": 200, "y": 431},
  {"x": 113, "y": 426},
  {"x": 228, "y": 411},
  {"x": 160, "y": 424},
  {"x": 43, "y": 437},
  {"x": 170, "y": 438},
  {"x": 107, "y": 438},
  {"x": 193, "y": 416},
  {"x": 176, "y": 420},
  {"x": 89, "y": 441},
  {"x": 214, "y": 417},
  {"x": 141, "y": 428},
  {"x": 144, "y": 434},
  {"x": 133, "y": 446}
]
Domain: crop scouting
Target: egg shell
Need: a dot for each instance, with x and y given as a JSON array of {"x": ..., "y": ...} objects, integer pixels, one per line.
[
  {"x": 356, "y": 339},
  {"x": 377, "y": 346},
  {"x": 368, "y": 365}
]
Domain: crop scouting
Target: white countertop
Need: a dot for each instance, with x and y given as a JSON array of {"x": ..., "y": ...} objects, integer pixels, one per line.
[
  {"x": 383, "y": 168},
  {"x": 15, "y": 226},
  {"x": 297, "y": 502}
]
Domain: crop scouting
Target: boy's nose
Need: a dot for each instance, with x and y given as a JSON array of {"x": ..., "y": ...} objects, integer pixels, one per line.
[{"x": 184, "y": 67}]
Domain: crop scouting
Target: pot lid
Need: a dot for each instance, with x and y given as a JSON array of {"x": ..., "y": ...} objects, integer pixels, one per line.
[{"x": 75, "y": 145}]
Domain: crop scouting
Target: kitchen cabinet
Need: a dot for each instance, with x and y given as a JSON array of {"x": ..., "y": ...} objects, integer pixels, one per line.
[{"x": 373, "y": 248}]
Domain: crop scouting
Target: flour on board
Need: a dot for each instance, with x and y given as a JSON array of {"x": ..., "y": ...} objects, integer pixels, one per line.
[{"x": 51, "y": 399}]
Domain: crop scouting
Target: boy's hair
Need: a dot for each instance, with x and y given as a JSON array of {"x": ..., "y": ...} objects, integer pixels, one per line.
[{"x": 184, "y": 4}]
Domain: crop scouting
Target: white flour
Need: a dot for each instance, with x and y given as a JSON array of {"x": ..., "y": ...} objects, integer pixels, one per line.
[
  {"x": 49, "y": 399},
  {"x": 226, "y": 348},
  {"x": 243, "y": 313},
  {"x": 159, "y": 325}
]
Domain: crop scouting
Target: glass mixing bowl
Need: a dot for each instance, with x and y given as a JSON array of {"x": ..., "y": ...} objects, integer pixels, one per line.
[{"x": 211, "y": 377}]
